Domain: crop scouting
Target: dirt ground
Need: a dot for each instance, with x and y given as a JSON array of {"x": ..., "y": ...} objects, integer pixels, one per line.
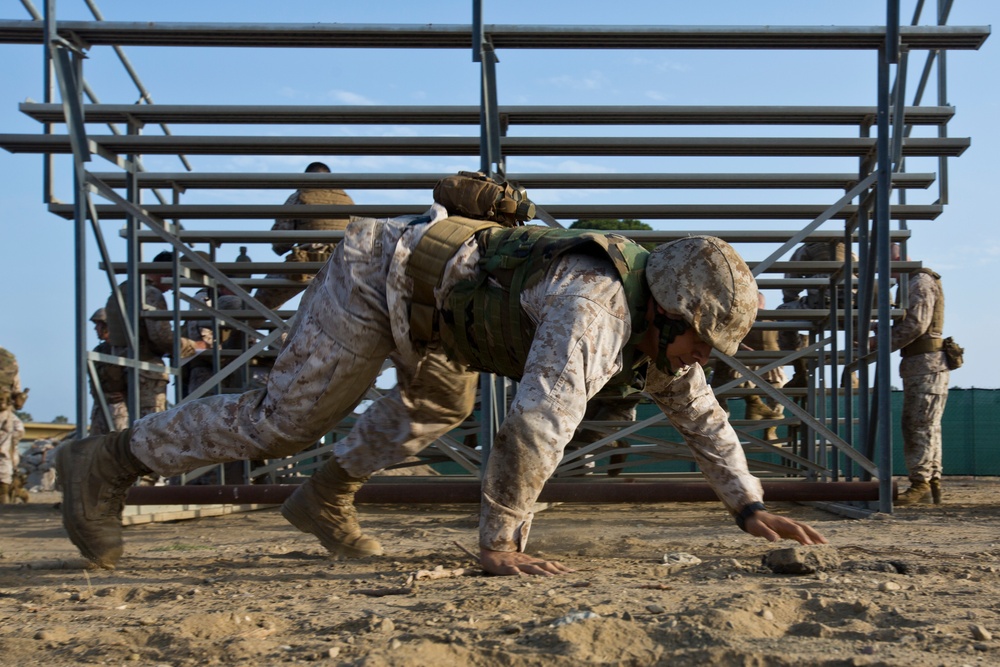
[{"x": 918, "y": 588}]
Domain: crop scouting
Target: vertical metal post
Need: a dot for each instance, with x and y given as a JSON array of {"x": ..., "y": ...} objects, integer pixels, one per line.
[
  {"x": 134, "y": 294},
  {"x": 80, "y": 268},
  {"x": 944, "y": 7},
  {"x": 48, "y": 95},
  {"x": 884, "y": 425}
]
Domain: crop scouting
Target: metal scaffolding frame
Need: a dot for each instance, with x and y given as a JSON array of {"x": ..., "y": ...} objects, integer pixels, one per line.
[{"x": 831, "y": 445}]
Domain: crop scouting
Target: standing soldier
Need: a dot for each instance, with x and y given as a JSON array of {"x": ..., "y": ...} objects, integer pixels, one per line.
[
  {"x": 156, "y": 340},
  {"x": 275, "y": 297},
  {"x": 111, "y": 379},
  {"x": 11, "y": 427},
  {"x": 567, "y": 312},
  {"x": 925, "y": 372}
]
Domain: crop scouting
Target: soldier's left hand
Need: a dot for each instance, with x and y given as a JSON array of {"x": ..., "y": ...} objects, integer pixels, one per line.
[
  {"x": 773, "y": 527},
  {"x": 517, "y": 563}
]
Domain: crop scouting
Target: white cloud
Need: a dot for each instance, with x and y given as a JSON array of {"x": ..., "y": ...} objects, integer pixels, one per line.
[
  {"x": 594, "y": 80},
  {"x": 348, "y": 97}
]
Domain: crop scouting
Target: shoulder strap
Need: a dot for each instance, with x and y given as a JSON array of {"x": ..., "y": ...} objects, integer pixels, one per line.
[{"x": 426, "y": 267}]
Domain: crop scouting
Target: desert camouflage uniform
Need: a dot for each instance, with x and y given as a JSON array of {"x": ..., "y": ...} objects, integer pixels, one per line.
[
  {"x": 11, "y": 432},
  {"x": 117, "y": 405},
  {"x": 356, "y": 313},
  {"x": 158, "y": 342},
  {"x": 275, "y": 297},
  {"x": 925, "y": 382}
]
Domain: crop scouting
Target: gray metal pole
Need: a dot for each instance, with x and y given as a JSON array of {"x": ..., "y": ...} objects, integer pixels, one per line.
[{"x": 884, "y": 411}]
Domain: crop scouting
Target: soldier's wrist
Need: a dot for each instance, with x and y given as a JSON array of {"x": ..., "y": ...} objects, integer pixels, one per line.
[{"x": 748, "y": 511}]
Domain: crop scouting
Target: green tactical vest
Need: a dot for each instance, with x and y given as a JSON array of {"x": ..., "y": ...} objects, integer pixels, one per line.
[
  {"x": 116, "y": 330},
  {"x": 482, "y": 324},
  {"x": 933, "y": 342}
]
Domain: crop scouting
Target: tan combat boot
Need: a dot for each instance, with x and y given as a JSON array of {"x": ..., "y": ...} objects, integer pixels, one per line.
[
  {"x": 917, "y": 493},
  {"x": 96, "y": 474},
  {"x": 324, "y": 506},
  {"x": 4, "y": 493},
  {"x": 756, "y": 409},
  {"x": 936, "y": 491}
]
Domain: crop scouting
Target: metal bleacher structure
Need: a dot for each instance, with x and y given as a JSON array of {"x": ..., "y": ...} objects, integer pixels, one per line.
[{"x": 832, "y": 446}]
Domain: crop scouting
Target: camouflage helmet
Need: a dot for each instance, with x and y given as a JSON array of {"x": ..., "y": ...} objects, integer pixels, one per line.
[
  {"x": 100, "y": 315},
  {"x": 703, "y": 281}
]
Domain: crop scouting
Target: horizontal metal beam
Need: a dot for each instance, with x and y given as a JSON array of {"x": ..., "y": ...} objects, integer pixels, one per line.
[
  {"x": 442, "y": 490},
  {"x": 438, "y": 36},
  {"x": 232, "y": 114},
  {"x": 399, "y": 181},
  {"x": 656, "y": 236},
  {"x": 247, "y": 268},
  {"x": 531, "y": 146},
  {"x": 558, "y": 211}
]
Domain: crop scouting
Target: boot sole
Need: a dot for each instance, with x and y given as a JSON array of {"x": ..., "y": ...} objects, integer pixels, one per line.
[
  {"x": 337, "y": 550},
  {"x": 66, "y": 506}
]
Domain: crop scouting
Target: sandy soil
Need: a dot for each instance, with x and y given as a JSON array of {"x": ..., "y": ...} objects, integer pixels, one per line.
[{"x": 918, "y": 588}]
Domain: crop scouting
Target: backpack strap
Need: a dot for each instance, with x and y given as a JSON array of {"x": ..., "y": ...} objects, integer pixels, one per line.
[{"x": 426, "y": 267}]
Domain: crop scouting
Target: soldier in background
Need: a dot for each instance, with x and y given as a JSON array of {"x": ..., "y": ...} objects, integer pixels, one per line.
[
  {"x": 111, "y": 378},
  {"x": 275, "y": 297},
  {"x": 925, "y": 372},
  {"x": 156, "y": 340},
  {"x": 11, "y": 427},
  {"x": 815, "y": 298}
]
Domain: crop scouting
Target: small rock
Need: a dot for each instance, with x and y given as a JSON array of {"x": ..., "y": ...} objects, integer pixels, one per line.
[
  {"x": 626, "y": 616},
  {"x": 767, "y": 615},
  {"x": 512, "y": 629},
  {"x": 654, "y": 609},
  {"x": 867, "y": 650},
  {"x": 679, "y": 560},
  {"x": 886, "y": 586},
  {"x": 333, "y": 652},
  {"x": 801, "y": 560},
  {"x": 574, "y": 617},
  {"x": 395, "y": 644},
  {"x": 980, "y": 633}
]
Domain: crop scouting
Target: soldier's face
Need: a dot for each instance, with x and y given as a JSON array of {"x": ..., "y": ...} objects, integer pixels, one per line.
[{"x": 688, "y": 349}]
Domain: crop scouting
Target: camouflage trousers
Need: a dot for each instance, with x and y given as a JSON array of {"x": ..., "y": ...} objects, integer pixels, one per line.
[
  {"x": 119, "y": 418},
  {"x": 11, "y": 432},
  {"x": 338, "y": 342},
  {"x": 276, "y": 297},
  {"x": 152, "y": 394},
  {"x": 924, "y": 398}
]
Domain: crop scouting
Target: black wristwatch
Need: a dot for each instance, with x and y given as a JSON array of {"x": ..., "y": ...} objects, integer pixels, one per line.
[{"x": 747, "y": 512}]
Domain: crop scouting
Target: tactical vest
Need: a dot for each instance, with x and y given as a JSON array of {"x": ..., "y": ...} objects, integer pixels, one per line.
[
  {"x": 116, "y": 330},
  {"x": 931, "y": 341},
  {"x": 482, "y": 324},
  {"x": 8, "y": 371},
  {"x": 320, "y": 196},
  {"x": 110, "y": 376}
]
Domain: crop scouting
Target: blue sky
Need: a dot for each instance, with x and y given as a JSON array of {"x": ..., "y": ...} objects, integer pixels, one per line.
[{"x": 36, "y": 252}]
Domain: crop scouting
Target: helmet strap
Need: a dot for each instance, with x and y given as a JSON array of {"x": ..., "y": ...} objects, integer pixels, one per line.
[{"x": 670, "y": 329}]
